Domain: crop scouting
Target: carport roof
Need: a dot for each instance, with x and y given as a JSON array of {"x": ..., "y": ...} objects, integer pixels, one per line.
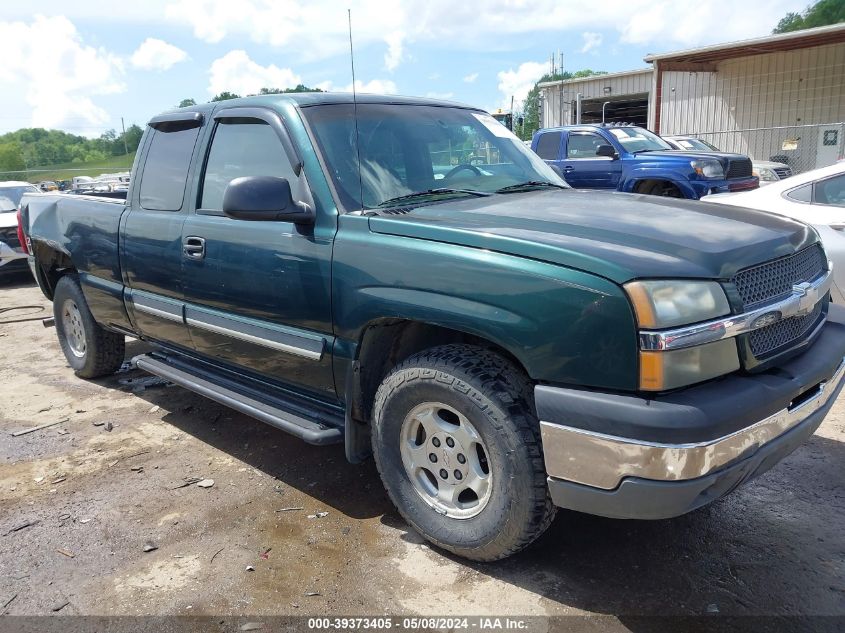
[{"x": 832, "y": 34}]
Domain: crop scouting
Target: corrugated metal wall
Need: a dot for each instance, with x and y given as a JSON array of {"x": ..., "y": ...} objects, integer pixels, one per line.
[
  {"x": 558, "y": 99},
  {"x": 774, "y": 90}
]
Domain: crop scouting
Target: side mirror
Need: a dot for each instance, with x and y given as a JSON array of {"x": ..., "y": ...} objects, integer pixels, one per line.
[
  {"x": 606, "y": 150},
  {"x": 264, "y": 198}
]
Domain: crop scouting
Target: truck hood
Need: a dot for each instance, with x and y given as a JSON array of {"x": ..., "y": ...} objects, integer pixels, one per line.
[
  {"x": 686, "y": 156},
  {"x": 616, "y": 235}
]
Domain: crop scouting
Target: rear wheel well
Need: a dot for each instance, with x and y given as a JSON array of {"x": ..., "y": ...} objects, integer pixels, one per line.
[
  {"x": 50, "y": 265},
  {"x": 385, "y": 344}
]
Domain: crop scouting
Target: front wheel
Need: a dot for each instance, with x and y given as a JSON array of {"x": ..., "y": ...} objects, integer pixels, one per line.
[
  {"x": 90, "y": 350},
  {"x": 458, "y": 449}
]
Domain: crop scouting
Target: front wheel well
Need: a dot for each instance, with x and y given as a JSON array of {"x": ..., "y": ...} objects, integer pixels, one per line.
[
  {"x": 386, "y": 343},
  {"x": 650, "y": 186}
]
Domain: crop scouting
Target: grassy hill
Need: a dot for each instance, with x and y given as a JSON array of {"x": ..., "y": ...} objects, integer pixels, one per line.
[{"x": 67, "y": 171}]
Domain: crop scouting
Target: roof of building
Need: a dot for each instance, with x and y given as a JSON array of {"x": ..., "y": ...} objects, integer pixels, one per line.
[
  {"x": 575, "y": 80},
  {"x": 806, "y": 38}
]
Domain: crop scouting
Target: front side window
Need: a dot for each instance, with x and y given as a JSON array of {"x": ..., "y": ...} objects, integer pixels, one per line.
[
  {"x": 166, "y": 168},
  {"x": 241, "y": 147},
  {"x": 410, "y": 149},
  {"x": 584, "y": 145}
]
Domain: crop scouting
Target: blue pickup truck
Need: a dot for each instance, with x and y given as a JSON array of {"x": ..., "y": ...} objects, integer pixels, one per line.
[{"x": 631, "y": 159}]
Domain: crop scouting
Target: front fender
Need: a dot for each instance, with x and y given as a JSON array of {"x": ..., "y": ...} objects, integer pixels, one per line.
[
  {"x": 678, "y": 177},
  {"x": 564, "y": 326}
]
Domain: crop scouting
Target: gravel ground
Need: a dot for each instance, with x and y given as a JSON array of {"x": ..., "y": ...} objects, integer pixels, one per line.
[{"x": 113, "y": 479}]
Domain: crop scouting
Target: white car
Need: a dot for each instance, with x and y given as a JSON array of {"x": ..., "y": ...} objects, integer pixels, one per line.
[
  {"x": 12, "y": 257},
  {"x": 816, "y": 197},
  {"x": 766, "y": 171}
]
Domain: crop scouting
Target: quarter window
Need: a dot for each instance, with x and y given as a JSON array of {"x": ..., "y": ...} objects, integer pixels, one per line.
[
  {"x": 801, "y": 194},
  {"x": 242, "y": 147},
  {"x": 166, "y": 168},
  {"x": 548, "y": 145}
]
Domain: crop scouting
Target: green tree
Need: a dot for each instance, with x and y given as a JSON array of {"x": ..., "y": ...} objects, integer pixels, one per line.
[
  {"x": 278, "y": 91},
  {"x": 11, "y": 157},
  {"x": 225, "y": 96},
  {"x": 531, "y": 105},
  {"x": 184, "y": 103},
  {"x": 821, "y": 13}
]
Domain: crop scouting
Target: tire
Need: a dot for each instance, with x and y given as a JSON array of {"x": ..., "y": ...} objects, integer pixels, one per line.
[
  {"x": 665, "y": 190},
  {"x": 463, "y": 389},
  {"x": 90, "y": 350}
]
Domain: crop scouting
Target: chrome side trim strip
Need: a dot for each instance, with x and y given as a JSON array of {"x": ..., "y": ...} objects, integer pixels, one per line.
[
  {"x": 602, "y": 461},
  {"x": 159, "y": 313},
  {"x": 803, "y": 299},
  {"x": 249, "y": 338}
]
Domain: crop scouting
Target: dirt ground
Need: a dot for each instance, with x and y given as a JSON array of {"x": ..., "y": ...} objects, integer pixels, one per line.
[{"x": 111, "y": 479}]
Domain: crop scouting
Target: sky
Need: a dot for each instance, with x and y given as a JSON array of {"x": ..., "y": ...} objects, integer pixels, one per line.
[{"x": 80, "y": 66}]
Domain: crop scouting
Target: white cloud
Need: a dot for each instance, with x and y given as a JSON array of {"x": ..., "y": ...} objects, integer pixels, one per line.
[
  {"x": 517, "y": 83},
  {"x": 155, "y": 54},
  {"x": 393, "y": 56},
  {"x": 471, "y": 78},
  {"x": 318, "y": 29},
  {"x": 57, "y": 73},
  {"x": 237, "y": 73},
  {"x": 592, "y": 41}
]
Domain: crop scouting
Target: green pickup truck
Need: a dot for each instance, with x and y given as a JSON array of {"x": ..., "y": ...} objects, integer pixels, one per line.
[{"x": 404, "y": 276}]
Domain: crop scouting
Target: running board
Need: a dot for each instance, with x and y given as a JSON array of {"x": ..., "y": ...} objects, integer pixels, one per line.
[{"x": 308, "y": 430}]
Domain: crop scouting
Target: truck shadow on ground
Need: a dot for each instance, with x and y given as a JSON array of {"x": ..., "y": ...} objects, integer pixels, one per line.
[{"x": 772, "y": 547}]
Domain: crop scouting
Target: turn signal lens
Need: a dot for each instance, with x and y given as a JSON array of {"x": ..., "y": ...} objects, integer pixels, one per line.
[{"x": 660, "y": 371}]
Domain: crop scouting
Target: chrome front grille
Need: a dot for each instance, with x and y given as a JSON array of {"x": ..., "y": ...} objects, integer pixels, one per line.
[
  {"x": 773, "y": 337},
  {"x": 739, "y": 168},
  {"x": 774, "y": 280}
]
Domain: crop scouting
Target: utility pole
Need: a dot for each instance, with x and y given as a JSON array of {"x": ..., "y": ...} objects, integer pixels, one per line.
[{"x": 125, "y": 145}]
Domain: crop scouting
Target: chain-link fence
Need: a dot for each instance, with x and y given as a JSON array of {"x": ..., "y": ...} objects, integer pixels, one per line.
[{"x": 801, "y": 147}]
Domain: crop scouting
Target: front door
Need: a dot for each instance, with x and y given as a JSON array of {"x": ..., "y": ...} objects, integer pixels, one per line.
[
  {"x": 584, "y": 168},
  {"x": 258, "y": 293}
]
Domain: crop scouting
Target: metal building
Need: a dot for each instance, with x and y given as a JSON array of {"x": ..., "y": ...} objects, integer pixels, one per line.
[{"x": 780, "y": 97}]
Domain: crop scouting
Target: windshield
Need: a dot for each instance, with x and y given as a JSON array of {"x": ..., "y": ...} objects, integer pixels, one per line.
[
  {"x": 405, "y": 149},
  {"x": 636, "y": 139},
  {"x": 16, "y": 193},
  {"x": 696, "y": 144}
]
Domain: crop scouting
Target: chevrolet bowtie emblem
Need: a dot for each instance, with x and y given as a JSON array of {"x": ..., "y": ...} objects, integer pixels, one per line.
[{"x": 808, "y": 297}]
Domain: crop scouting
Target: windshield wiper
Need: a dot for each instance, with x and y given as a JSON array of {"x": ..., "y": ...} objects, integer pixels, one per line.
[
  {"x": 530, "y": 184},
  {"x": 639, "y": 151},
  {"x": 431, "y": 192}
]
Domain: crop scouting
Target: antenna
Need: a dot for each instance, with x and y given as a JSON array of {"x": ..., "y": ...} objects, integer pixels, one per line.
[{"x": 355, "y": 108}]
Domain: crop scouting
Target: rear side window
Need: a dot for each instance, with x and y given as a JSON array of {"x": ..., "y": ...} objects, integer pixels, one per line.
[
  {"x": 242, "y": 147},
  {"x": 831, "y": 191},
  {"x": 166, "y": 169},
  {"x": 548, "y": 145}
]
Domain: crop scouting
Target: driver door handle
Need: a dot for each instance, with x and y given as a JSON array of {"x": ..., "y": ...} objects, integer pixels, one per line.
[
  {"x": 568, "y": 168},
  {"x": 193, "y": 247}
]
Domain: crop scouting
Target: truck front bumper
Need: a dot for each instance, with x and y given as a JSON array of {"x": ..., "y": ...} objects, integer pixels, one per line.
[{"x": 630, "y": 457}]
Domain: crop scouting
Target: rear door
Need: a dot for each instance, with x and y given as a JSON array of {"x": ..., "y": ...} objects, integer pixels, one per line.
[
  {"x": 584, "y": 168},
  {"x": 151, "y": 253},
  {"x": 258, "y": 293}
]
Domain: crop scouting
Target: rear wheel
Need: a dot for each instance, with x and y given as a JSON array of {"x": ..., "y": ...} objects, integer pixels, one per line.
[
  {"x": 458, "y": 449},
  {"x": 90, "y": 350}
]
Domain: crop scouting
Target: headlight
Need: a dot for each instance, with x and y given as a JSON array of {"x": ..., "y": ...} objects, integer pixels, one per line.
[
  {"x": 766, "y": 174},
  {"x": 708, "y": 168},
  {"x": 669, "y": 303},
  {"x": 662, "y": 304}
]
